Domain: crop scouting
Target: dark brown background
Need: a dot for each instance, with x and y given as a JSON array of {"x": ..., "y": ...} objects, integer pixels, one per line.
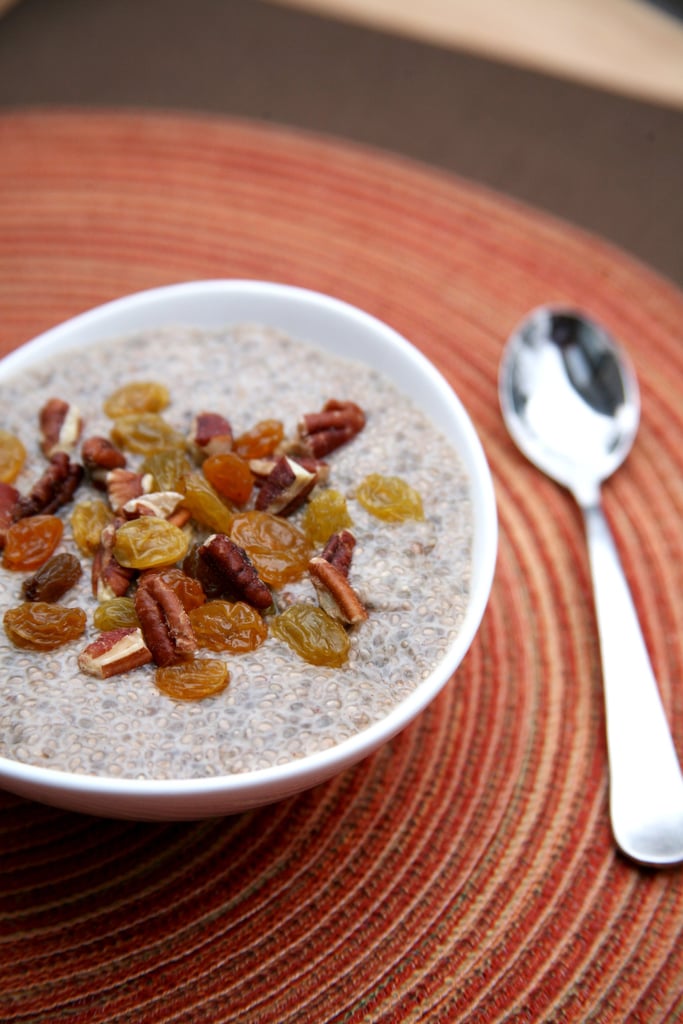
[{"x": 604, "y": 162}]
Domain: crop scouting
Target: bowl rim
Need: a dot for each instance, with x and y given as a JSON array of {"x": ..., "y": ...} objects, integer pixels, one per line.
[{"x": 264, "y": 785}]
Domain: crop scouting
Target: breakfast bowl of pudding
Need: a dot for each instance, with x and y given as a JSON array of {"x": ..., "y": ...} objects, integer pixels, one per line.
[{"x": 248, "y": 534}]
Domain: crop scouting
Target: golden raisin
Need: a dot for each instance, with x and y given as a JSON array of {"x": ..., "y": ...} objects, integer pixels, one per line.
[
  {"x": 168, "y": 469},
  {"x": 30, "y": 542},
  {"x": 145, "y": 433},
  {"x": 227, "y": 626},
  {"x": 12, "y": 457},
  {"x": 193, "y": 680},
  {"x": 230, "y": 475},
  {"x": 40, "y": 626},
  {"x": 148, "y": 542},
  {"x": 137, "y": 396},
  {"x": 260, "y": 440},
  {"x": 313, "y": 634},
  {"x": 326, "y": 513},
  {"x": 116, "y": 613},
  {"x": 279, "y": 551},
  {"x": 389, "y": 498},
  {"x": 88, "y": 519},
  {"x": 206, "y": 505}
]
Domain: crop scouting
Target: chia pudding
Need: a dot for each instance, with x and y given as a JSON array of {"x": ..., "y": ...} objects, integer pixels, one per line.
[{"x": 413, "y": 576}]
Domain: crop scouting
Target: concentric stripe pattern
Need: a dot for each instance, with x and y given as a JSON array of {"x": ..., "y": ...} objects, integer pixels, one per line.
[{"x": 465, "y": 872}]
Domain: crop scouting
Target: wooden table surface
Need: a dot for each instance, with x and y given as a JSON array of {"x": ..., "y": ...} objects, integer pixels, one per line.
[{"x": 630, "y": 46}]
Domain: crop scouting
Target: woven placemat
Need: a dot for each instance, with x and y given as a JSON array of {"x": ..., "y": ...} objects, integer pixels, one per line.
[{"x": 465, "y": 872}]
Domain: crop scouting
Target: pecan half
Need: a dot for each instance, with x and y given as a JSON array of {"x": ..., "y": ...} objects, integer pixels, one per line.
[
  {"x": 320, "y": 433},
  {"x": 164, "y": 622},
  {"x": 286, "y": 487},
  {"x": 61, "y": 425},
  {"x": 100, "y": 456},
  {"x": 123, "y": 485},
  {"x": 211, "y": 434},
  {"x": 232, "y": 565},
  {"x": 339, "y": 550},
  {"x": 336, "y": 596},
  {"x": 55, "y": 488},
  {"x": 115, "y": 651},
  {"x": 109, "y": 577},
  {"x": 9, "y": 496}
]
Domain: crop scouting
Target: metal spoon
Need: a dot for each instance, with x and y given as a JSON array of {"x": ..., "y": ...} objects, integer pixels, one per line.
[{"x": 570, "y": 400}]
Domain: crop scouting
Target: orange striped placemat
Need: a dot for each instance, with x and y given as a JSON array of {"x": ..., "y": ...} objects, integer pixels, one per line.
[{"x": 465, "y": 872}]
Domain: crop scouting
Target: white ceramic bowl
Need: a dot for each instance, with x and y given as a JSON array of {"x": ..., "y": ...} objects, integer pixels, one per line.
[{"x": 343, "y": 330}]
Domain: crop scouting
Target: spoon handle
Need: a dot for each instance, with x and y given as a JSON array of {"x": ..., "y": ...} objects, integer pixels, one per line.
[{"x": 646, "y": 784}]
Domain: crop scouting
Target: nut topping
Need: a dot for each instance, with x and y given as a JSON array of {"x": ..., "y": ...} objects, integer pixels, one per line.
[
  {"x": 114, "y": 652},
  {"x": 109, "y": 577},
  {"x": 335, "y": 594},
  {"x": 320, "y": 433},
  {"x": 55, "y": 488},
  {"x": 99, "y": 457},
  {"x": 262, "y": 468},
  {"x": 165, "y": 624},
  {"x": 123, "y": 485},
  {"x": 339, "y": 550},
  {"x": 158, "y": 503},
  {"x": 285, "y": 488},
  {"x": 60, "y": 427},
  {"x": 233, "y": 566},
  {"x": 180, "y": 517},
  {"x": 211, "y": 434}
]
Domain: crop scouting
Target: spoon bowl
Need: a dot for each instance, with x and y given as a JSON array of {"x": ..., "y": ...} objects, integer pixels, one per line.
[
  {"x": 570, "y": 400},
  {"x": 569, "y": 397}
]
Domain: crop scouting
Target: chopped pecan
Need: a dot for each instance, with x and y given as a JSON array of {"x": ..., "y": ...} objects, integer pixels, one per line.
[
  {"x": 109, "y": 577},
  {"x": 9, "y": 496},
  {"x": 262, "y": 468},
  {"x": 211, "y": 434},
  {"x": 100, "y": 456},
  {"x": 60, "y": 427},
  {"x": 285, "y": 488},
  {"x": 320, "y": 433},
  {"x": 317, "y": 466},
  {"x": 164, "y": 622},
  {"x": 233, "y": 566},
  {"x": 339, "y": 550},
  {"x": 115, "y": 651},
  {"x": 123, "y": 485},
  {"x": 180, "y": 517},
  {"x": 55, "y": 488},
  {"x": 157, "y": 503},
  {"x": 335, "y": 594}
]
